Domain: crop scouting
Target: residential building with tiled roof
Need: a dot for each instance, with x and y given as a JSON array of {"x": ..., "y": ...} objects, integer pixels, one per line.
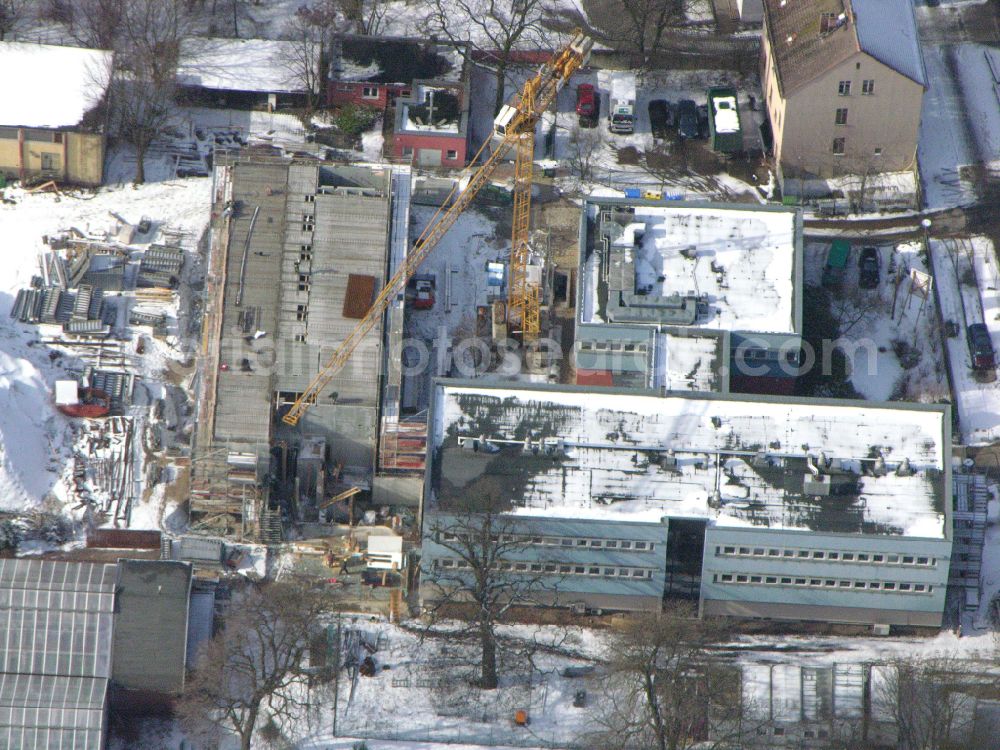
[{"x": 843, "y": 96}]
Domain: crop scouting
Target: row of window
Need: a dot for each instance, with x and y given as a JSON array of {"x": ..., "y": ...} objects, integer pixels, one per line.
[
  {"x": 602, "y": 571},
  {"x": 450, "y": 153},
  {"x": 367, "y": 92},
  {"x": 612, "y": 346},
  {"x": 878, "y": 558},
  {"x": 32, "y": 134},
  {"x": 560, "y": 541},
  {"x": 826, "y": 583},
  {"x": 839, "y": 147},
  {"x": 867, "y": 87}
]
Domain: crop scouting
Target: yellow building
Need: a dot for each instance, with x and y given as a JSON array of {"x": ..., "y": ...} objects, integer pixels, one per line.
[
  {"x": 50, "y": 124},
  {"x": 843, "y": 84}
]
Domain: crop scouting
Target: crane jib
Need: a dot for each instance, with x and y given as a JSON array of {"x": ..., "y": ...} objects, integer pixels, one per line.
[{"x": 536, "y": 96}]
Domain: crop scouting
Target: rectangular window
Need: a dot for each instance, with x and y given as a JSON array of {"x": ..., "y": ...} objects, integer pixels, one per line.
[
  {"x": 789, "y": 553},
  {"x": 536, "y": 567},
  {"x": 9, "y": 134},
  {"x": 868, "y": 86},
  {"x": 878, "y": 558},
  {"x": 845, "y": 584},
  {"x": 841, "y": 118},
  {"x": 613, "y": 544},
  {"x": 727, "y": 577},
  {"x": 874, "y": 585},
  {"x": 550, "y": 568},
  {"x": 744, "y": 550},
  {"x": 741, "y": 579},
  {"x": 904, "y": 587},
  {"x": 609, "y": 571},
  {"x": 729, "y": 550},
  {"x": 839, "y": 144},
  {"x": 595, "y": 542},
  {"x": 907, "y": 560},
  {"x": 923, "y": 561},
  {"x": 862, "y": 557},
  {"x": 771, "y": 579},
  {"x": 815, "y": 582},
  {"x": 758, "y": 551},
  {"x": 626, "y": 545},
  {"x": 369, "y": 92},
  {"x": 301, "y": 313},
  {"x": 300, "y": 338},
  {"x": 786, "y": 579},
  {"x": 829, "y": 582},
  {"x": 566, "y": 542},
  {"x": 303, "y": 282},
  {"x": 773, "y": 553},
  {"x": 310, "y": 199},
  {"x": 640, "y": 545},
  {"x": 594, "y": 571},
  {"x": 847, "y": 557},
  {"x": 57, "y": 137},
  {"x": 819, "y": 555},
  {"x": 844, "y": 88},
  {"x": 755, "y": 579},
  {"x": 893, "y": 558},
  {"x": 800, "y": 581},
  {"x": 452, "y": 153},
  {"x": 888, "y": 586},
  {"x": 878, "y": 151},
  {"x": 521, "y": 566},
  {"x": 803, "y": 553},
  {"x": 579, "y": 569}
]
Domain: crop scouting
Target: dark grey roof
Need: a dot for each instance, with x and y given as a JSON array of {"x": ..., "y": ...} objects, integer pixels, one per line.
[
  {"x": 57, "y": 713},
  {"x": 151, "y": 624},
  {"x": 898, "y": 48}
]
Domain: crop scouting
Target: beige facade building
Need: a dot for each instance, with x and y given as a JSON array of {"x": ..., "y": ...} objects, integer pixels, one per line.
[
  {"x": 843, "y": 82},
  {"x": 49, "y": 124}
]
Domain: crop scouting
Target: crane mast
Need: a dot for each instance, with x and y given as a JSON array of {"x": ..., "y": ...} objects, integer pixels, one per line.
[{"x": 515, "y": 125}]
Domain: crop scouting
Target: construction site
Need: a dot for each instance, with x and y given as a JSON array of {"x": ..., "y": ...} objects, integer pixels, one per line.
[{"x": 311, "y": 418}]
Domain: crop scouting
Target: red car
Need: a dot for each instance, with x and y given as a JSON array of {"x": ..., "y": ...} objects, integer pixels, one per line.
[{"x": 586, "y": 100}]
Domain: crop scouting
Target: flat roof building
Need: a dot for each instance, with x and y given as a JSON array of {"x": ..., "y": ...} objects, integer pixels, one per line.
[
  {"x": 676, "y": 296},
  {"x": 299, "y": 254},
  {"x": 788, "y": 509}
]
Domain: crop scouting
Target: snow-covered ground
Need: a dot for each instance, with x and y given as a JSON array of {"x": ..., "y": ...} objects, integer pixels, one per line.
[
  {"x": 943, "y": 148},
  {"x": 967, "y": 282},
  {"x": 37, "y": 441},
  {"x": 884, "y": 323}
]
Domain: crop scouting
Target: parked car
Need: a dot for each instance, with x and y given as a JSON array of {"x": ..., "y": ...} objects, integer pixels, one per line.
[
  {"x": 587, "y": 106},
  {"x": 869, "y": 264},
  {"x": 659, "y": 117},
  {"x": 980, "y": 347},
  {"x": 836, "y": 264},
  {"x": 687, "y": 119}
]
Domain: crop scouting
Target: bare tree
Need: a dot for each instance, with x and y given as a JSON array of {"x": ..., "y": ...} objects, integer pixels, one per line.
[
  {"x": 12, "y": 14},
  {"x": 665, "y": 688},
  {"x": 301, "y": 59},
  {"x": 584, "y": 144},
  {"x": 929, "y": 699},
  {"x": 252, "y": 673},
  {"x": 142, "y": 80},
  {"x": 366, "y": 16},
  {"x": 641, "y": 27},
  {"x": 476, "y": 580},
  {"x": 496, "y": 28}
]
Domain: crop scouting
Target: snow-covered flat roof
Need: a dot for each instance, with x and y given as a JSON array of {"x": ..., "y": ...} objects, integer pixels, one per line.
[
  {"x": 261, "y": 65},
  {"x": 46, "y": 86},
  {"x": 817, "y": 465},
  {"x": 710, "y": 266}
]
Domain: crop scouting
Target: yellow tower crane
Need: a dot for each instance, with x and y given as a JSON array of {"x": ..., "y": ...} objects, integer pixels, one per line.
[{"x": 514, "y": 125}]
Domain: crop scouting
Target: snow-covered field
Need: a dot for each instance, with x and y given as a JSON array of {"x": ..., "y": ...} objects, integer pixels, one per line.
[{"x": 36, "y": 440}]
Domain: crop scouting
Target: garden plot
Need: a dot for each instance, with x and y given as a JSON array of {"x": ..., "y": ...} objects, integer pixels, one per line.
[{"x": 890, "y": 333}]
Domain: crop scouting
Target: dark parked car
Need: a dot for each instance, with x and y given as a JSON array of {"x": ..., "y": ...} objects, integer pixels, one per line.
[
  {"x": 586, "y": 102},
  {"x": 980, "y": 347},
  {"x": 868, "y": 262},
  {"x": 703, "y": 130},
  {"x": 660, "y": 117},
  {"x": 687, "y": 119}
]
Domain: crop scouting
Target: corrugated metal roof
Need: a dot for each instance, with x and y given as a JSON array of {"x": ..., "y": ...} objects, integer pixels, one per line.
[
  {"x": 57, "y": 713},
  {"x": 887, "y": 31}
]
